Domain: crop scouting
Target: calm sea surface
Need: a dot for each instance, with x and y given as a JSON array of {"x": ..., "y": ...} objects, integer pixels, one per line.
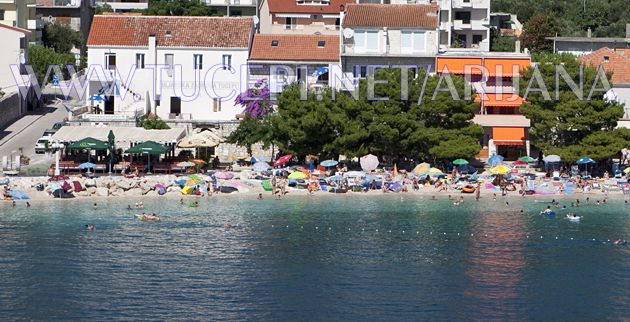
[{"x": 338, "y": 258}]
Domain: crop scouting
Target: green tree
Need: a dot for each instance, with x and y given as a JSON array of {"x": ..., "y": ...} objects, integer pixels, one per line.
[
  {"x": 105, "y": 7},
  {"x": 152, "y": 122},
  {"x": 61, "y": 38},
  {"x": 536, "y": 29},
  {"x": 570, "y": 126},
  {"x": 501, "y": 43},
  {"x": 41, "y": 58},
  {"x": 177, "y": 8}
]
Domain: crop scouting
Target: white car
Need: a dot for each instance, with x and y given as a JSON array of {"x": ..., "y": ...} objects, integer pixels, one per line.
[{"x": 42, "y": 144}]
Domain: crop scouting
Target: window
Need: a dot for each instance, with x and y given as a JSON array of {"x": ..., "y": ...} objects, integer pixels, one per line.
[
  {"x": 176, "y": 106},
  {"x": 110, "y": 61},
  {"x": 168, "y": 60},
  {"x": 606, "y": 59},
  {"x": 337, "y": 23},
  {"x": 477, "y": 39},
  {"x": 464, "y": 16},
  {"x": 290, "y": 23},
  {"x": 360, "y": 71},
  {"x": 366, "y": 41},
  {"x": 1, "y": 14},
  {"x": 140, "y": 61},
  {"x": 227, "y": 61},
  {"x": 197, "y": 62},
  {"x": 216, "y": 105},
  {"x": 412, "y": 41},
  {"x": 274, "y": 43},
  {"x": 321, "y": 43}
]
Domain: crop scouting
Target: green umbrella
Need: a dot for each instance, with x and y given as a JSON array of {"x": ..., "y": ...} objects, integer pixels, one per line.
[
  {"x": 460, "y": 162},
  {"x": 527, "y": 159},
  {"x": 88, "y": 143},
  {"x": 110, "y": 144},
  {"x": 148, "y": 147}
]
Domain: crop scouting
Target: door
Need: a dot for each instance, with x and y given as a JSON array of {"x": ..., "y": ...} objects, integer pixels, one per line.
[
  {"x": 109, "y": 105},
  {"x": 176, "y": 106}
]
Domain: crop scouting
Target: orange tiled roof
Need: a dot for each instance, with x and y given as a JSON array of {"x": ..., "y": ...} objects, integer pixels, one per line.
[
  {"x": 391, "y": 15},
  {"x": 213, "y": 32},
  {"x": 291, "y": 6},
  {"x": 496, "y": 100},
  {"x": 618, "y": 63},
  {"x": 295, "y": 48}
]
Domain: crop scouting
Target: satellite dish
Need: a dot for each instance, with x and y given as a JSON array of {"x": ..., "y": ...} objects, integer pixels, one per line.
[
  {"x": 256, "y": 20},
  {"x": 348, "y": 33}
]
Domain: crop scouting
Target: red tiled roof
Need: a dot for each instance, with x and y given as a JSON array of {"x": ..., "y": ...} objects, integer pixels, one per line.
[
  {"x": 213, "y": 32},
  {"x": 392, "y": 15},
  {"x": 295, "y": 48},
  {"x": 291, "y": 6},
  {"x": 24, "y": 31},
  {"x": 618, "y": 63}
]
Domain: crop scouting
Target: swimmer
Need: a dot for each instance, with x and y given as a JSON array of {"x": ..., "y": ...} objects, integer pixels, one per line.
[
  {"x": 449, "y": 197},
  {"x": 564, "y": 207},
  {"x": 181, "y": 201},
  {"x": 90, "y": 227},
  {"x": 522, "y": 211},
  {"x": 141, "y": 205},
  {"x": 13, "y": 204},
  {"x": 94, "y": 206},
  {"x": 260, "y": 196},
  {"x": 494, "y": 197},
  {"x": 597, "y": 202},
  {"x": 618, "y": 242},
  {"x": 28, "y": 204},
  {"x": 433, "y": 198},
  {"x": 196, "y": 203},
  {"x": 128, "y": 207},
  {"x": 587, "y": 199},
  {"x": 456, "y": 203},
  {"x": 507, "y": 203},
  {"x": 604, "y": 201},
  {"x": 227, "y": 226}
]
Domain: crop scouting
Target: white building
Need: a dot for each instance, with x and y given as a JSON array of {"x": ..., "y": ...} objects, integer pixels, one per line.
[
  {"x": 186, "y": 68},
  {"x": 14, "y": 52},
  {"x": 388, "y": 34},
  {"x": 465, "y": 24}
]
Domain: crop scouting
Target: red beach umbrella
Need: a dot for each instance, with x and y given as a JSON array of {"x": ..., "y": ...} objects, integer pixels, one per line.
[{"x": 282, "y": 160}]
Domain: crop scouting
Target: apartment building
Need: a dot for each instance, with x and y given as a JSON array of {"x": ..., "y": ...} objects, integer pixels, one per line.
[
  {"x": 301, "y": 16},
  {"x": 465, "y": 24},
  {"x": 394, "y": 34},
  {"x": 179, "y": 68},
  {"x": 75, "y": 13}
]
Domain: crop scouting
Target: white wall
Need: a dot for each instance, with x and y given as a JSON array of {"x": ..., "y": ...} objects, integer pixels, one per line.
[
  {"x": 199, "y": 106},
  {"x": 9, "y": 54},
  {"x": 395, "y": 40}
]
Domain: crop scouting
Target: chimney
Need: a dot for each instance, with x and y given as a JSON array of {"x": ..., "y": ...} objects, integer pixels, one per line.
[
  {"x": 517, "y": 46},
  {"x": 589, "y": 33}
]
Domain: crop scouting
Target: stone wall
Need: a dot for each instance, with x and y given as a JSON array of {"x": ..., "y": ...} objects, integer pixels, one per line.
[
  {"x": 225, "y": 150},
  {"x": 10, "y": 108}
]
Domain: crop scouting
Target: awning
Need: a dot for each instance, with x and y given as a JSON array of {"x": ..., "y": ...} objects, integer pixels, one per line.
[
  {"x": 508, "y": 135},
  {"x": 124, "y": 134},
  {"x": 459, "y": 65},
  {"x": 500, "y": 100},
  {"x": 503, "y": 67}
]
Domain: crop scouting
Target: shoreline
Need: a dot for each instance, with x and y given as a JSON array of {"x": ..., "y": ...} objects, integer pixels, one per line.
[{"x": 116, "y": 187}]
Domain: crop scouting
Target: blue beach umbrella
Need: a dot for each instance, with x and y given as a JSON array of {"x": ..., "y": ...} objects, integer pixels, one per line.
[
  {"x": 495, "y": 160},
  {"x": 585, "y": 160},
  {"x": 87, "y": 165},
  {"x": 329, "y": 163},
  {"x": 320, "y": 71}
]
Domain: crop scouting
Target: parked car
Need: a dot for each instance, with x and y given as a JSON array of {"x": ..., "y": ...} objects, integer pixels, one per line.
[
  {"x": 42, "y": 144},
  {"x": 49, "y": 133},
  {"x": 58, "y": 125}
]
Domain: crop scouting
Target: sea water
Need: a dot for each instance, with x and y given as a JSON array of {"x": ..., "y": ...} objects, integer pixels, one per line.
[{"x": 393, "y": 257}]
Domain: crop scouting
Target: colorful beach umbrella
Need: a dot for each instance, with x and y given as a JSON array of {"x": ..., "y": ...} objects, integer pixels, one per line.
[
  {"x": 460, "y": 162},
  {"x": 369, "y": 162},
  {"x": 329, "y": 163},
  {"x": 527, "y": 159},
  {"x": 501, "y": 169},
  {"x": 422, "y": 168},
  {"x": 435, "y": 171},
  {"x": 223, "y": 175},
  {"x": 297, "y": 175},
  {"x": 282, "y": 160},
  {"x": 260, "y": 166}
]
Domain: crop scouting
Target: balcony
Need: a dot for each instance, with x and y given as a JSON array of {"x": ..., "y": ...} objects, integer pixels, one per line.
[
  {"x": 461, "y": 25},
  {"x": 462, "y": 4}
]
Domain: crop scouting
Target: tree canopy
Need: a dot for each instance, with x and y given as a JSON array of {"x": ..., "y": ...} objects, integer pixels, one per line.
[
  {"x": 440, "y": 127},
  {"x": 565, "y": 124},
  {"x": 41, "y": 58},
  {"x": 177, "y": 8},
  {"x": 62, "y": 38}
]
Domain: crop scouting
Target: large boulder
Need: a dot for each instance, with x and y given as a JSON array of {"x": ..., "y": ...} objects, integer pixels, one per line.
[
  {"x": 125, "y": 184},
  {"x": 89, "y": 183},
  {"x": 83, "y": 193},
  {"x": 102, "y": 192},
  {"x": 135, "y": 192},
  {"x": 91, "y": 190},
  {"x": 115, "y": 191}
]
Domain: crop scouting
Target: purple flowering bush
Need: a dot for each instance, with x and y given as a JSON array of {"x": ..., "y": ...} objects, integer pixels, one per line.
[{"x": 256, "y": 100}]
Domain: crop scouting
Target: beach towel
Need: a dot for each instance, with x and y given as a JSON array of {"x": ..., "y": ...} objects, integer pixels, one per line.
[
  {"x": 66, "y": 186},
  {"x": 186, "y": 190},
  {"x": 77, "y": 186},
  {"x": 267, "y": 185},
  {"x": 19, "y": 195}
]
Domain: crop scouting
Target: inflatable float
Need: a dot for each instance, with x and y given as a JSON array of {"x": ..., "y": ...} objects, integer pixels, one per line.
[{"x": 468, "y": 189}]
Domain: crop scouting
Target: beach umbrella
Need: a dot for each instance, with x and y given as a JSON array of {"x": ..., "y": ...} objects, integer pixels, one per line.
[
  {"x": 87, "y": 165},
  {"x": 329, "y": 163},
  {"x": 552, "y": 158},
  {"x": 259, "y": 158},
  {"x": 460, "y": 162},
  {"x": 501, "y": 169},
  {"x": 467, "y": 168},
  {"x": 520, "y": 162},
  {"x": 585, "y": 160},
  {"x": 198, "y": 161},
  {"x": 148, "y": 147},
  {"x": 88, "y": 143},
  {"x": 282, "y": 160},
  {"x": 224, "y": 175},
  {"x": 527, "y": 159},
  {"x": 435, "y": 171},
  {"x": 495, "y": 160},
  {"x": 353, "y": 174},
  {"x": 369, "y": 162},
  {"x": 297, "y": 175},
  {"x": 627, "y": 170},
  {"x": 422, "y": 168},
  {"x": 185, "y": 164},
  {"x": 260, "y": 166}
]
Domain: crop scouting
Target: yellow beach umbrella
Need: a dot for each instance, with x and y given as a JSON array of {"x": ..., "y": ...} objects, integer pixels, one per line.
[
  {"x": 421, "y": 168},
  {"x": 435, "y": 171},
  {"x": 626, "y": 170},
  {"x": 500, "y": 169},
  {"x": 297, "y": 175}
]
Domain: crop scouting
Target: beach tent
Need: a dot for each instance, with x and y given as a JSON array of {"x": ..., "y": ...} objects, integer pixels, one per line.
[{"x": 369, "y": 162}]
